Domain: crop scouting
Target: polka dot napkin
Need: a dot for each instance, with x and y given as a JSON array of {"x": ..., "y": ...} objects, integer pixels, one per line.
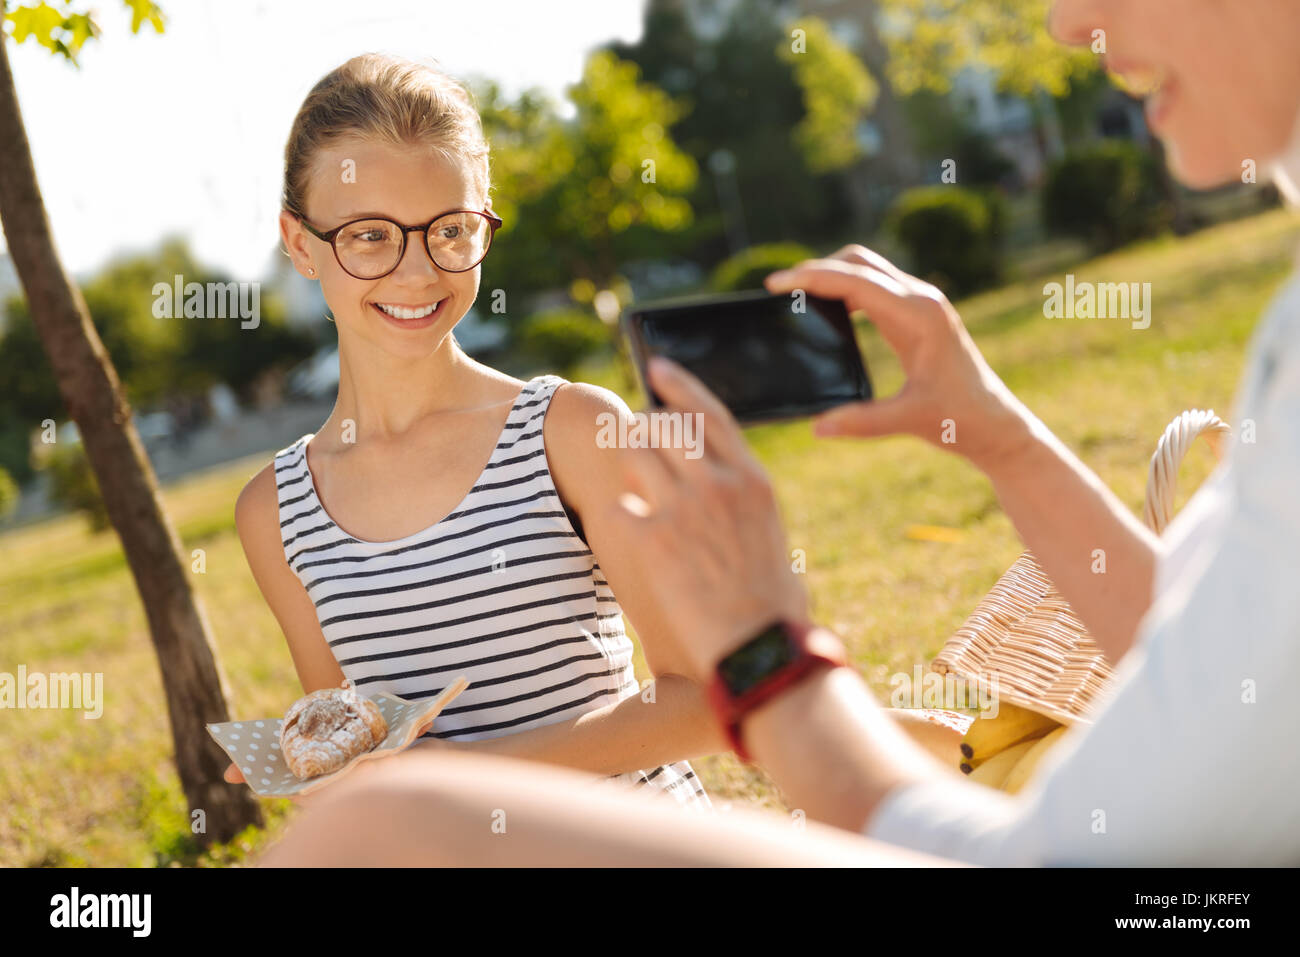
[{"x": 254, "y": 746}]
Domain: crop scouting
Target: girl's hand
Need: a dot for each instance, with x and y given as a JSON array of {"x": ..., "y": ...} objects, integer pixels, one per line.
[
  {"x": 236, "y": 776},
  {"x": 951, "y": 398}
]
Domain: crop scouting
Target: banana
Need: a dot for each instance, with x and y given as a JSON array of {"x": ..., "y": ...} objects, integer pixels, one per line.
[
  {"x": 987, "y": 737},
  {"x": 995, "y": 770},
  {"x": 1019, "y": 775}
]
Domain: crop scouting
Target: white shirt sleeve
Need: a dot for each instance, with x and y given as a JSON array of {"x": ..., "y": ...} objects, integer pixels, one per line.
[{"x": 1194, "y": 760}]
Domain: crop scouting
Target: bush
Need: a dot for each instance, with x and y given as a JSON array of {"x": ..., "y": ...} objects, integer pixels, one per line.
[
  {"x": 981, "y": 163},
  {"x": 748, "y": 268},
  {"x": 8, "y": 495},
  {"x": 72, "y": 482},
  {"x": 561, "y": 338},
  {"x": 953, "y": 234},
  {"x": 1107, "y": 194}
]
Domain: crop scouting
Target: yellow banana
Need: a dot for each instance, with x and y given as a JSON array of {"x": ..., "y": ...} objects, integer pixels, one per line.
[
  {"x": 1024, "y": 769},
  {"x": 989, "y": 736},
  {"x": 995, "y": 770}
]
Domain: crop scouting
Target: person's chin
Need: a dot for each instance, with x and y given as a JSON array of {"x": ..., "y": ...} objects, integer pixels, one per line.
[{"x": 1200, "y": 163}]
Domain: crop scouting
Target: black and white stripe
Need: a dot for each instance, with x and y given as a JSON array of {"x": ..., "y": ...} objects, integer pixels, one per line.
[{"x": 503, "y": 590}]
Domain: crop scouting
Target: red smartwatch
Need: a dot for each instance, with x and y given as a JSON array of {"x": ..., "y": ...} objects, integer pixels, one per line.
[{"x": 779, "y": 656}]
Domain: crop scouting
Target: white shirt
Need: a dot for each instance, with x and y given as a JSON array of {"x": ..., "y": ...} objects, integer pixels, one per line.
[{"x": 1195, "y": 759}]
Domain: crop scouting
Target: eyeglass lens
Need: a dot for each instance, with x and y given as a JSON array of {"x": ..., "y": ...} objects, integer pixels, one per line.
[{"x": 370, "y": 248}]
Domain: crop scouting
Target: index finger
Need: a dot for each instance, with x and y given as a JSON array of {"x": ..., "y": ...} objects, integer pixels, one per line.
[
  {"x": 861, "y": 287},
  {"x": 680, "y": 389}
]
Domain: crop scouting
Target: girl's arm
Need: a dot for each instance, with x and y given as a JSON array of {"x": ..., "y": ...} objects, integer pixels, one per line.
[
  {"x": 257, "y": 517},
  {"x": 669, "y": 721}
]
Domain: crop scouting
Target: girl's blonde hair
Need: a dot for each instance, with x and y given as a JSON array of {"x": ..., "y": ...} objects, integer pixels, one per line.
[{"x": 393, "y": 100}]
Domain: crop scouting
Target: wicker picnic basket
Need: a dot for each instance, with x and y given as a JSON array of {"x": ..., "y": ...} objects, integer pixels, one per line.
[{"x": 1025, "y": 637}]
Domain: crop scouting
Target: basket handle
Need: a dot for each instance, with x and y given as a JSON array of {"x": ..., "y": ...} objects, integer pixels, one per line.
[{"x": 1162, "y": 482}]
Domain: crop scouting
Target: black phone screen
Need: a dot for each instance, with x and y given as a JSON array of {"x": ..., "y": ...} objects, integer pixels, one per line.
[{"x": 764, "y": 356}]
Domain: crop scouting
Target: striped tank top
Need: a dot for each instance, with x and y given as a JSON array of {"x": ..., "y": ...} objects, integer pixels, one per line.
[{"x": 504, "y": 591}]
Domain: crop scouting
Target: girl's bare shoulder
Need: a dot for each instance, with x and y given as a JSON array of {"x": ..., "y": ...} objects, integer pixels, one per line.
[{"x": 579, "y": 422}]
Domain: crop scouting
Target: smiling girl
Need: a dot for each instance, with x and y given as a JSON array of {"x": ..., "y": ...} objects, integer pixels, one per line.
[{"x": 448, "y": 519}]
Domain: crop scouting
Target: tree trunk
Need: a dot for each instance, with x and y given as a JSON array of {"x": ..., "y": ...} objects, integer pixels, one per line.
[{"x": 89, "y": 385}]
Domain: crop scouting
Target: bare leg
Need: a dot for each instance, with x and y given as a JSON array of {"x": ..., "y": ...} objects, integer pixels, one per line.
[{"x": 471, "y": 810}]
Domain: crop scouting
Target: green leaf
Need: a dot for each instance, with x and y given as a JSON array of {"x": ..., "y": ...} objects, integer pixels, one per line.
[
  {"x": 64, "y": 34},
  {"x": 142, "y": 10}
]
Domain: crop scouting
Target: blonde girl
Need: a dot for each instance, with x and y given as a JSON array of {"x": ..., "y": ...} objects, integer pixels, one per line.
[{"x": 448, "y": 519}]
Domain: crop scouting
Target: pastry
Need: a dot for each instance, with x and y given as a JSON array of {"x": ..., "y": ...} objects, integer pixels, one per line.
[{"x": 326, "y": 729}]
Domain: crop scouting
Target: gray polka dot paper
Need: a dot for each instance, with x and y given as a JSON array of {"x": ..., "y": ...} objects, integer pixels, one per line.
[{"x": 254, "y": 746}]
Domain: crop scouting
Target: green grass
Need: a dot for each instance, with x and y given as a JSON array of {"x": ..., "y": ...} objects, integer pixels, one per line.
[{"x": 105, "y": 792}]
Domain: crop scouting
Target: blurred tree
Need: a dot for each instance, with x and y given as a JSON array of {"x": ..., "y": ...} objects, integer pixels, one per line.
[
  {"x": 930, "y": 41},
  {"x": 621, "y": 169},
  {"x": 772, "y": 124},
  {"x": 89, "y": 385},
  {"x": 526, "y": 164},
  {"x": 9, "y": 495},
  {"x": 837, "y": 93},
  {"x": 154, "y": 358},
  {"x": 580, "y": 196}
]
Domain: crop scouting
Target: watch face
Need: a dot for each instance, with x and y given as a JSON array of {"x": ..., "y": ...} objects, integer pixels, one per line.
[{"x": 749, "y": 665}]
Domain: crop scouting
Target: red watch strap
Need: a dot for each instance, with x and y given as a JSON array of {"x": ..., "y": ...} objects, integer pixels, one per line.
[{"x": 817, "y": 647}]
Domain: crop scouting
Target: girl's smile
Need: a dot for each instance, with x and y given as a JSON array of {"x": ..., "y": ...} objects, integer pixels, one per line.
[{"x": 411, "y": 316}]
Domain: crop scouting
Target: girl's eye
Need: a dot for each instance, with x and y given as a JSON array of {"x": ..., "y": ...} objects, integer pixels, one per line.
[
  {"x": 450, "y": 232},
  {"x": 368, "y": 234}
]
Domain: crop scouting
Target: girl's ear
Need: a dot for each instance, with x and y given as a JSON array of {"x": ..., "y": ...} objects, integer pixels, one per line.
[{"x": 294, "y": 239}]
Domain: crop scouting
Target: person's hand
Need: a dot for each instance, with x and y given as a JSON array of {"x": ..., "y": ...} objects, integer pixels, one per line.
[
  {"x": 236, "y": 776},
  {"x": 708, "y": 532},
  {"x": 951, "y": 398}
]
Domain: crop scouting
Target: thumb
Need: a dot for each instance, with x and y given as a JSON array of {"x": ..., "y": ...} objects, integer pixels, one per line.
[{"x": 864, "y": 419}]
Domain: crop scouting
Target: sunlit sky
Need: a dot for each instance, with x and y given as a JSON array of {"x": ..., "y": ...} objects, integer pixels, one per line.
[{"x": 184, "y": 133}]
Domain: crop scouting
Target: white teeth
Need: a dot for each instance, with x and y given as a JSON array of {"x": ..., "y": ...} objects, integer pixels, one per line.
[{"x": 398, "y": 312}]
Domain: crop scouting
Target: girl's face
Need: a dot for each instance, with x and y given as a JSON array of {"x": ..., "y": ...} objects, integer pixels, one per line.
[
  {"x": 1225, "y": 74},
  {"x": 410, "y": 185}
]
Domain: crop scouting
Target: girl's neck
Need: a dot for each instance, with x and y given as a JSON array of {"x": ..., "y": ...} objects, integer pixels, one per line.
[{"x": 382, "y": 396}]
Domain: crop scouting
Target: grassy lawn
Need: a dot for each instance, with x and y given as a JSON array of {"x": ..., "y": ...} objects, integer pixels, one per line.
[{"x": 104, "y": 792}]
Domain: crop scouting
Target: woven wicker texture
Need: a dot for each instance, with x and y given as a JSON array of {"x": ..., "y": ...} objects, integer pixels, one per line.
[{"x": 1025, "y": 640}]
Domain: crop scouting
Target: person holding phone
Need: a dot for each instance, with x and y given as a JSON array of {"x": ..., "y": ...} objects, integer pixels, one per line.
[{"x": 1190, "y": 762}]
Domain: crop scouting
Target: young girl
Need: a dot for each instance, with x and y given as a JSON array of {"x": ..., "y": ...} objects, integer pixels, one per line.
[{"x": 448, "y": 519}]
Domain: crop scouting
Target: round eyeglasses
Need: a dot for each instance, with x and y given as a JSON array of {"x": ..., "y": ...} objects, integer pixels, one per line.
[{"x": 457, "y": 241}]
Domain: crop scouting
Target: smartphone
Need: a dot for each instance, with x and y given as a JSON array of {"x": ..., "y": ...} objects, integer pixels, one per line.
[{"x": 766, "y": 357}]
